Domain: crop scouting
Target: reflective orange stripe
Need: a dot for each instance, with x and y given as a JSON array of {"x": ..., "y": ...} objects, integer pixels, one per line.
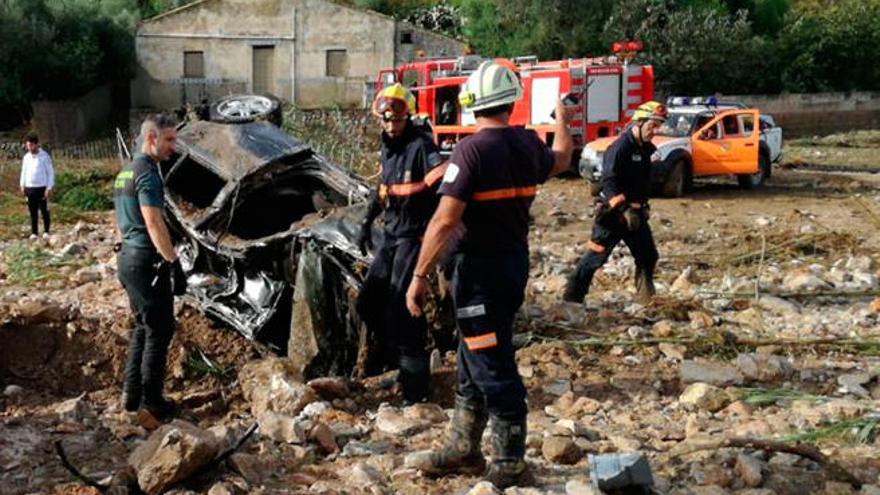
[
  {"x": 506, "y": 193},
  {"x": 616, "y": 200},
  {"x": 481, "y": 341},
  {"x": 435, "y": 174},
  {"x": 595, "y": 247},
  {"x": 406, "y": 188}
]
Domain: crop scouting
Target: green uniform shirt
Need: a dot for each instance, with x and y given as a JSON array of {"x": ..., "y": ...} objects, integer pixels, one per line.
[{"x": 138, "y": 184}]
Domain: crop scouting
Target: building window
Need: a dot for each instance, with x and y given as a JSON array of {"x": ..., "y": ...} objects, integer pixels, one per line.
[
  {"x": 194, "y": 64},
  {"x": 337, "y": 63},
  {"x": 406, "y": 38}
]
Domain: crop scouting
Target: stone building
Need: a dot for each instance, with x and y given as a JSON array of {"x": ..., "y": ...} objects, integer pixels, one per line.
[{"x": 316, "y": 53}]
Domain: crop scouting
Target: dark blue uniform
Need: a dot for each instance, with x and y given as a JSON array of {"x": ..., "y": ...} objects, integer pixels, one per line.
[
  {"x": 496, "y": 172},
  {"x": 410, "y": 173},
  {"x": 625, "y": 182},
  {"x": 146, "y": 280}
]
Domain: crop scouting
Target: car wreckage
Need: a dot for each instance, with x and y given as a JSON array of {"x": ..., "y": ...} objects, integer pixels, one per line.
[{"x": 265, "y": 229}]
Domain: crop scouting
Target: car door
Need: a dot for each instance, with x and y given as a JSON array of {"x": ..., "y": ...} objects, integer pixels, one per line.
[{"x": 727, "y": 144}]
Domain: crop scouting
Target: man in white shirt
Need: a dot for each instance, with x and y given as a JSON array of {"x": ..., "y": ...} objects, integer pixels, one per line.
[{"x": 37, "y": 181}]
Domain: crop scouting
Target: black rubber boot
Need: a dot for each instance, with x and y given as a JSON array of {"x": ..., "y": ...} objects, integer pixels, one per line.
[
  {"x": 161, "y": 409},
  {"x": 131, "y": 400},
  {"x": 645, "y": 285},
  {"x": 509, "y": 444},
  {"x": 415, "y": 379},
  {"x": 576, "y": 287},
  {"x": 461, "y": 453}
]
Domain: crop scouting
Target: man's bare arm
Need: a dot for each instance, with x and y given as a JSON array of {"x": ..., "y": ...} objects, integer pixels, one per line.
[
  {"x": 562, "y": 142},
  {"x": 158, "y": 232},
  {"x": 444, "y": 225},
  {"x": 441, "y": 229}
]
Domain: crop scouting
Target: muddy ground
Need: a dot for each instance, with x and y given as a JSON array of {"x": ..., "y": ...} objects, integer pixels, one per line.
[{"x": 610, "y": 376}]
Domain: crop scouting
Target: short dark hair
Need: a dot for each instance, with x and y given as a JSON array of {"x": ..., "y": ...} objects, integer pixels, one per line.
[
  {"x": 32, "y": 138},
  {"x": 494, "y": 111},
  {"x": 157, "y": 122}
]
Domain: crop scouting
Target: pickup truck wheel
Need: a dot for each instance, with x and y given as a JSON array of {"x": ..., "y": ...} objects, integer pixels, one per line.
[
  {"x": 678, "y": 181},
  {"x": 751, "y": 181},
  {"x": 595, "y": 188}
]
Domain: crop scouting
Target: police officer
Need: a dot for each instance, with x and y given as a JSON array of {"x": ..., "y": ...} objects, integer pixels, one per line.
[
  {"x": 411, "y": 170},
  {"x": 148, "y": 268},
  {"x": 621, "y": 212},
  {"x": 486, "y": 192}
]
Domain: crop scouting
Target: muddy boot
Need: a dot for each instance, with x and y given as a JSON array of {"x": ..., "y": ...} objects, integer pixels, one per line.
[
  {"x": 461, "y": 453},
  {"x": 576, "y": 287},
  {"x": 509, "y": 444},
  {"x": 644, "y": 285},
  {"x": 415, "y": 379}
]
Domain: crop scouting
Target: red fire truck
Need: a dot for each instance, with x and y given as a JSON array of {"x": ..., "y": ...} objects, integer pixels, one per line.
[{"x": 613, "y": 87}]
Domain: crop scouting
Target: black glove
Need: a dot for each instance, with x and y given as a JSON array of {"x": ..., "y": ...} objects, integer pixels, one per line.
[
  {"x": 178, "y": 279},
  {"x": 365, "y": 238},
  {"x": 633, "y": 219},
  {"x": 365, "y": 235}
]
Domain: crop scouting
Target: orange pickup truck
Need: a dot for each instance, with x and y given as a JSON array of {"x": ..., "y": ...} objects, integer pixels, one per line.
[{"x": 702, "y": 140}]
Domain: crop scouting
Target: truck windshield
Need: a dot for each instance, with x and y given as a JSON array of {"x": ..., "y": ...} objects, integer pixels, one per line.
[{"x": 677, "y": 125}]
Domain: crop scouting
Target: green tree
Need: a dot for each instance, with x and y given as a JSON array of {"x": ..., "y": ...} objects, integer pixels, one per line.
[{"x": 833, "y": 48}]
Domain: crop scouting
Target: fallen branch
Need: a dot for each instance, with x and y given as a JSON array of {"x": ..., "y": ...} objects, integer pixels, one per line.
[
  {"x": 75, "y": 471},
  {"x": 795, "y": 295},
  {"x": 835, "y": 471}
]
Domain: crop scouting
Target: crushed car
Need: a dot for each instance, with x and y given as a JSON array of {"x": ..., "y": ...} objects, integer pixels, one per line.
[{"x": 265, "y": 229}]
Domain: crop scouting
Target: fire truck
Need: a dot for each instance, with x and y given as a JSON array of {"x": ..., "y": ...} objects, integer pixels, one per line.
[{"x": 608, "y": 88}]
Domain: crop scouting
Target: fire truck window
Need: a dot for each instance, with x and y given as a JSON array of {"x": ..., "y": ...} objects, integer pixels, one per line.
[
  {"x": 410, "y": 78},
  {"x": 447, "y": 105},
  {"x": 731, "y": 126},
  {"x": 748, "y": 124}
]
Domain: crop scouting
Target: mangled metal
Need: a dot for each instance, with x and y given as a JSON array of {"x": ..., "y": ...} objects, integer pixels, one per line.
[{"x": 252, "y": 211}]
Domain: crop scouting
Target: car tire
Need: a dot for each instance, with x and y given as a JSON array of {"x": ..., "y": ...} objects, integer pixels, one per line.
[
  {"x": 678, "y": 181},
  {"x": 239, "y": 109},
  {"x": 595, "y": 188},
  {"x": 751, "y": 181}
]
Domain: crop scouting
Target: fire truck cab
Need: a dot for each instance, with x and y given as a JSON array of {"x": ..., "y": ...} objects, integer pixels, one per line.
[{"x": 613, "y": 88}]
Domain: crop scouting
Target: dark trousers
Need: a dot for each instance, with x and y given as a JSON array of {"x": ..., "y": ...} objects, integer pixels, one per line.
[
  {"x": 36, "y": 201},
  {"x": 149, "y": 293},
  {"x": 488, "y": 290},
  {"x": 382, "y": 306},
  {"x": 603, "y": 241}
]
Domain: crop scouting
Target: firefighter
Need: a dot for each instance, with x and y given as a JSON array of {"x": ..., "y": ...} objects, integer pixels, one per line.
[
  {"x": 411, "y": 169},
  {"x": 621, "y": 210},
  {"x": 486, "y": 194}
]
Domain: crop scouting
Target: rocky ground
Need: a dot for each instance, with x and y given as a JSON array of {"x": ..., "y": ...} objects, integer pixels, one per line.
[{"x": 766, "y": 327}]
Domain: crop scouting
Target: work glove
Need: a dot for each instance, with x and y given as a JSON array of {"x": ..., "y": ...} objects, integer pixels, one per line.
[
  {"x": 178, "y": 279},
  {"x": 365, "y": 238},
  {"x": 633, "y": 219}
]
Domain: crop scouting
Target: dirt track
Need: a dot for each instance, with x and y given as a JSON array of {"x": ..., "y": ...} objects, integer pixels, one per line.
[{"x": 633, "y": 391}]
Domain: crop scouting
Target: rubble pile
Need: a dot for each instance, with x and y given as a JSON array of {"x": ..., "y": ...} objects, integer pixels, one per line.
[{"x": 780, "y": 351}]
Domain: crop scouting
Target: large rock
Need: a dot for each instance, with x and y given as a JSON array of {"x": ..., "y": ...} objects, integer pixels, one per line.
[
  {"x": 763, "y": 367},
  {"x": 717, "y": 374},
  {"x": 274, "y": 384},
  {"x": 704, "y": 396},
  {"x": 561, "y": 450},
  {"x": 801, "y": 281},
  {"x": 748, "y": 469},
  {"x": 390, "y": 421},
  {"x": 282, "y": 428},
  {"x": 170, "y": 454},
  {"x": 778, "y": 305},
  {"x": 484, "y": 488}
]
